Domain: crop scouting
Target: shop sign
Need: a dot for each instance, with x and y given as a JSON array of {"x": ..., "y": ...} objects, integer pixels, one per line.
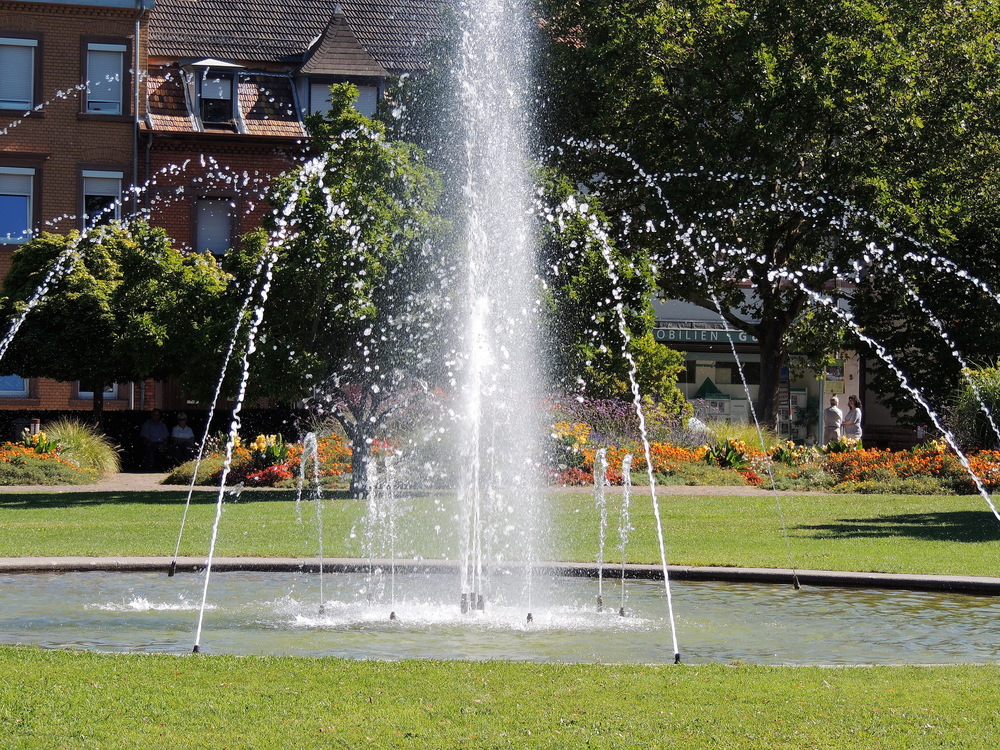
[{"x": 702, "y": 336}]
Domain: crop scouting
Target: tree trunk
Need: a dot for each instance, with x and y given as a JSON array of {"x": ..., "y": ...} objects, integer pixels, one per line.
[
  {"x": 359, "y": 467},
  {"x": 98, "y": 403},
  {"x": 772, "y": 359}
]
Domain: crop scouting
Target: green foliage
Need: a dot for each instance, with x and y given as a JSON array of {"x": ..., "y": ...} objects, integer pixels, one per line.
[
  {"x": 39, "y": 442},
  {"x": 893, "y": 485},
  {"x": 728, "y": 454},
  {"x": 41, "y": 470},
  {"x": 361, "y": 278},
  {"x": 696, "y": 475},
  {"x": 85, "y": 446},
  {"x": 150, "y": 307},
  {"x": 210, "y": 465},
  {"x": 842, "y": 445},
  {"x": 966, "y": 419},
  {"x": 771, "y": 116}
]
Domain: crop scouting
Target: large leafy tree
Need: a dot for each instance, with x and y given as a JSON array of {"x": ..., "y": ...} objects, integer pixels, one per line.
[
  {"x": 122, "y": 305},
  {"x": 783, "y": 137},
  {"x": 360, "y": 283}
]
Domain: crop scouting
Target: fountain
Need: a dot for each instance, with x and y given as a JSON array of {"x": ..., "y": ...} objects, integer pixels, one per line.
[{"x": 501, "y": 607}]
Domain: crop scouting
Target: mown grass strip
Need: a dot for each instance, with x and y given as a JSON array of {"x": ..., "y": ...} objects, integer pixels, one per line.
[
  {"x": 57, "y": 699},
  {"x": 885, "y": 533}
]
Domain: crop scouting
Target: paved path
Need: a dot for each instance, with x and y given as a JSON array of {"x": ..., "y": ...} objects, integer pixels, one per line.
[
  {"x": 128, "y": 482},
  {"x": 124, "y": 482}
]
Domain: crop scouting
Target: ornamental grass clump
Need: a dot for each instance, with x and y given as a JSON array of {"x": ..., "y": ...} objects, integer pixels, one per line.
[{"x": 85, "y": 446}]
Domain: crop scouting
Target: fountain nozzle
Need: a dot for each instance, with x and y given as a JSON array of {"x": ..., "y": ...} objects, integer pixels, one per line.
[
  {"x": 392, "y": 615},
  {"x": 480, "y": 604},
  {"x": 677, "y": 658},
  {"x": 172, "y": 569},
  {"x": 530, "y": 618},
  {"x": 197, "y": 649},
  {"x": 322, "y": 609},
  {"x": 465, "y": 603},
  {"x": 600, "y": 603},
  {"x": 621, "y": 611}
]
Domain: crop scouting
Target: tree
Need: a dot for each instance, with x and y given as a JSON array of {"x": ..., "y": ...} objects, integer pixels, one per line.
[
  {"x": 788, "y": 136},
  {"x": 592, "y": 290},
  {"x": 129, "y": 306},
  {"x": 361, "y": 281}
]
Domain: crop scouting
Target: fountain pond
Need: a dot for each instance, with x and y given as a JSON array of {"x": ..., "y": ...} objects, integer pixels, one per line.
[{"x": 278, "y": 614}]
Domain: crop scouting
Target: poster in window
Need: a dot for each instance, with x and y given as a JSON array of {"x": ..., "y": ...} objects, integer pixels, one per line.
[{"x": 835, "y": 377}]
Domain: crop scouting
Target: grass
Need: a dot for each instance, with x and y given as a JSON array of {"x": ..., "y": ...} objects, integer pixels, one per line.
[
  {"x": 58, "y": 699},
  {"x": 86, "y": 446},
  {"x": 895, "y": 534}
]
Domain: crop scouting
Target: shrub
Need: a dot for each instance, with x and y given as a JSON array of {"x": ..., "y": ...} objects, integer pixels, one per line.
[
  {"x": 701, "y": 474},
  {"x": 897, "y": 486},
  {"x": 966, "y": 418},
  {"x": 19, "y": 465},
  {"x": 85, "y": 446}
]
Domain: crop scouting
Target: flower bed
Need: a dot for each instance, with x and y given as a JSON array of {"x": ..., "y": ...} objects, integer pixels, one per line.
[
  {"x": 845, "y": 464},
  {"x": 37, "y": 460}
]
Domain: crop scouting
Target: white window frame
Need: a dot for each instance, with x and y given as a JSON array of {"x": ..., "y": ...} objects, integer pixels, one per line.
[
  {"x": 204, "y": 238},
  {"x": 7, "y": 392},
  {"x": 110, "y": 392},
  {"x": 112, "y": 82},
  {"x": 29, "y": 174},
  {"x": 212, "y": 88},
  {"x": 366, "y": 103},
  {"x": 95, "y": 181},
  {"x": 19, "y": 80}
]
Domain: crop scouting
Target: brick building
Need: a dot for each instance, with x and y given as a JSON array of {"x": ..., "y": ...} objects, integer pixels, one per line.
[
  {"x": 215, "y": 114},
  {"x": 69, "y": 112}
]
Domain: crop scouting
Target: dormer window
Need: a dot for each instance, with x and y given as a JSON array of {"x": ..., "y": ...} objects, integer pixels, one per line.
[
  {"x": 217, "y": 99},
  {"x": 319, "y": 98}
]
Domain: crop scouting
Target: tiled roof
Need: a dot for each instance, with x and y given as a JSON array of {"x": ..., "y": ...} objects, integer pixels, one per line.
[
  {"x": 340, "y": 53},
  {"x": 394, "y": 32},
  {"x": 267, "y": 105},
  {"x": 166, "y": 106}
]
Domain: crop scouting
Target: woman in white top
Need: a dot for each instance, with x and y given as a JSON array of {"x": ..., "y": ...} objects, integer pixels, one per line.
[{"x": 851, "y": 425}]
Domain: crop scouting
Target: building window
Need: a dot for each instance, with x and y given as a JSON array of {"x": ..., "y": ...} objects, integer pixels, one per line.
[
  {"x": 105, "y": 78},
  {"x": 16, "y": 203},
  {"x": 13, "y": 386},
  {"x": 217, "y": 100},
  {"x": 102, "y": 192},
  {"x": 319, "y": 99},
  {"x": 213, "y": 225},
  {"x": 110, "y": 392},
  {"x": 19, "y": 66}
]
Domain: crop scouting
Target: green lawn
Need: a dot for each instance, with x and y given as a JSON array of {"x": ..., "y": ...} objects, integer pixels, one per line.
[
  {"x": 62, "y": 699},
  {"x": 887, "y": 533},
  {"x": 57, "y": 699}
]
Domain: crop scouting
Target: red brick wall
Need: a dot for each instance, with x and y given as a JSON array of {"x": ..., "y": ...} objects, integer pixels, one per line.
[
  {"x": 239, "y": 167},
  {"x": 60, "y": 139},
  {"x": 60, "y": 136}
]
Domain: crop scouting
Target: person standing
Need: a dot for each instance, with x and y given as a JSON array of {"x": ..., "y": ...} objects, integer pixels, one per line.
[
  {"x": 833, "y": 418},
  {"x": 852, "y": 420}
]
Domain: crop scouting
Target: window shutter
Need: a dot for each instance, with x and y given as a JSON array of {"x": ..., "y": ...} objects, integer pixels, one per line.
[
  {"x": 367, "y": 101},
  {"x": 214, "y": 225},
  {"x": 16, "y": 183},
  {"x": 104, "y": 80},
  {"x": 17, "y": 81}
]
